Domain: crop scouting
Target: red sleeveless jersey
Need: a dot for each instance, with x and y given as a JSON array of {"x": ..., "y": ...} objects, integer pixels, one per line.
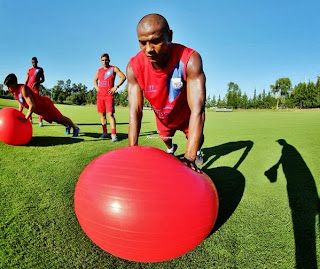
[
  {"x": 34, "y": 76},
  {"x": 165, "y": 89},
  {"x": 43, "y": 105},
  {"x": 106, "y": 81}
]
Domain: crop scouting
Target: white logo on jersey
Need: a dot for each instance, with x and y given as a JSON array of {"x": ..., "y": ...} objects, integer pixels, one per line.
[{"x": 176, "y": 83}]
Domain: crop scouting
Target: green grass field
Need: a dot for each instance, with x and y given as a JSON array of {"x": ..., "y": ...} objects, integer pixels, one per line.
[{"x": 264, "y": 221}]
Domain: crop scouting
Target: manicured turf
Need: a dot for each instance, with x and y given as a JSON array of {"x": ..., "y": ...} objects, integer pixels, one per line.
[{"x": 264, "y": 222}]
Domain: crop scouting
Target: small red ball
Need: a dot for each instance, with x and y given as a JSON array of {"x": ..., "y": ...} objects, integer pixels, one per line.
[
  {"x": 14, "y": 128},
  {"x": 142, "y": 204}
]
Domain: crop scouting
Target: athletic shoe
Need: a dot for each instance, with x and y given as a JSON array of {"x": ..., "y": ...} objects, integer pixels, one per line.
[
  {"x": 67, "y": 131},
  {"x": 114, "y": 138},
  {"x": 104, "y": 136},
  {"x": 76, "y": 132},
  {"x": 170, "y": 151},
  {"x": 199, "y": 159},
  {"x": 40, "y": 124}
]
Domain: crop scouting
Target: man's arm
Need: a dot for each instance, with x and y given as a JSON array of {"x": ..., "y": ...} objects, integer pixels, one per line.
[
  {"x": 20, "y": 107},
  {"x": 29, "y": 100},
  {"x": 196, "y": 95},
  {"x": 27, "y": 79},
  {"x": 122, "y": 79},
  {"x": 95, "y": 82},
  {"x": 135, "y": 98},
  {"x": 41, "y": 79}
]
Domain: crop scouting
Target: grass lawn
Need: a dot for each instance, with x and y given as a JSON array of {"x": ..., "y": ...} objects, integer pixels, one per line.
[{"x": 265, "y": 165}]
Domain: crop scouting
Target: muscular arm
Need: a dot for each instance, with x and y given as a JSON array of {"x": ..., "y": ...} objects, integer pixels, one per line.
[
  {"x": 29, "y": 100},
  {"x": 135, "y": 98},
  {"x": 196, "y": 95},
  {"x": 122, "y": 79},
  {"x": 95, "y": 82},
  {"x": 41, "y": 78},
  {"x": 27, "y": 79},
  {"x": 120, "y": 75}
]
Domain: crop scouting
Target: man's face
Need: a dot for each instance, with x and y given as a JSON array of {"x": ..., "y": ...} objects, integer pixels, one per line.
[
  {"x": 154, "y": 43},
  {"x": 34, "y": 63},
  {"x": 105, "y": 61}
]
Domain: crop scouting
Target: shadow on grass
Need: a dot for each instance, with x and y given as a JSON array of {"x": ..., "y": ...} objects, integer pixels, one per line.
[
  {"x": 47, "y": 141},
  {"x": 303, "y": 201},
  {"x": 99, "y": 124},
  {"x": 230, "y": 183},
  {"x": 121, "y": 136},
  {"x": 96, "y": 136}
]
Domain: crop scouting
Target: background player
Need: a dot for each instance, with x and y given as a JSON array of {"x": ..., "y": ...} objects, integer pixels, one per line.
[
  {"x": 38, "y": 104},
  {"x": 35, "y": 77},
  {"x": 104, "y": 84}
]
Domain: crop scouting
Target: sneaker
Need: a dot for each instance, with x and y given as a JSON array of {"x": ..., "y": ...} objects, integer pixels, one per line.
[
  {"x": 76, "y": 132},
  {"x": 40, "y": 124},
  {"x": 67, "y": 131},
  {"x": 104, "y": 136},
  {"x": 114, "y": 138},
  {"x": 199, "y": 159},
  {"x": 172, "y": 151}
]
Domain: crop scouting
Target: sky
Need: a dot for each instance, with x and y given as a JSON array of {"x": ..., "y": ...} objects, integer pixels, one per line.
[{"x": 251, "y": 43}]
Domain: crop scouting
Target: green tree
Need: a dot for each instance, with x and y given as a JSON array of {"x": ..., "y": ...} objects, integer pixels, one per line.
[
  {"x": 299, "y": 94},
  {"x": 1, "y": 90},
  {"x": 91, "y": 96},
  {"x": 44, "y": 91},
  {"x": 281, "y": 88},
  {"x": 233, "y": 96},
  {"x": 57, "y": 92},
  {"x": 208, "y": 101}
]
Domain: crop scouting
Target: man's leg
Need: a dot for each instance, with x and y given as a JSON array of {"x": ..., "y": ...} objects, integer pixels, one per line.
[
  {"x": 40, "y": 121},
  {"x": 103, "y": 119},
  {"x": 69, "y": 123},
  {"x": 166, "y": 134},
  {"x": 112, "y": 121}
]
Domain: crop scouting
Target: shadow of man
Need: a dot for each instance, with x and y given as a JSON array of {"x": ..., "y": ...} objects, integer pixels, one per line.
[
  {"x": 303, "y": 201},
  {"x": 229, "y": 181}
]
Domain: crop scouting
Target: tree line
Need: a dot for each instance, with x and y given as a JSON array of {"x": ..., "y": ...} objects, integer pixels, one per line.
[{"x": 281, "y": 94}]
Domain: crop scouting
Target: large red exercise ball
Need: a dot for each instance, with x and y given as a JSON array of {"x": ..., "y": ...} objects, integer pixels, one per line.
[
  {"x": 14, "y": 128},
  {"x": 142, "y": 204}
]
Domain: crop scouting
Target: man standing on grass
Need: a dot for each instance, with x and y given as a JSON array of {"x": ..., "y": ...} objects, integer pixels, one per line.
[
  {"x": 38, "y": 104},
  {"x": 171, "y": 77},
  {"x": 35, "y": 77},
  {"x": 104, "y": 84}
]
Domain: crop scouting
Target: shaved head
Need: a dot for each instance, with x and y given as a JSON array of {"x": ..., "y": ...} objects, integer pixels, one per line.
[
  {"x": 154, "y": 20},
  {"x": 155, "y": 38}
]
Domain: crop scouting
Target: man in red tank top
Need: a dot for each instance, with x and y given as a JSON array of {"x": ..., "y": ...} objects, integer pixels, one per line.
[
  {"x": 104, "y": 84},
  {"x": 171, "y": 77},
  {"x": 35, "y": 77},
  {"x": 38, "y": 104}
]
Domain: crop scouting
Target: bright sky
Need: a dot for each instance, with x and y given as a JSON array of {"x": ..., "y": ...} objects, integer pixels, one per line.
[{"x": 249, "y": 42}]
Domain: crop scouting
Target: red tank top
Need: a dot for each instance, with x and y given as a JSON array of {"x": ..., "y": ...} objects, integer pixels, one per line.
[
  {"x": 165, "y": 89},
  {"x": 39, "y": 101},
  {"x": 34, "y": 76},
  {"x": 106, "y": 81}
]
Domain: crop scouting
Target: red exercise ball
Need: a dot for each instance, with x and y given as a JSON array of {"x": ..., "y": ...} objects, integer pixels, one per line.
[
  {"x": 142, "y": 204},
  {"x": 14, "y": 128}
]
